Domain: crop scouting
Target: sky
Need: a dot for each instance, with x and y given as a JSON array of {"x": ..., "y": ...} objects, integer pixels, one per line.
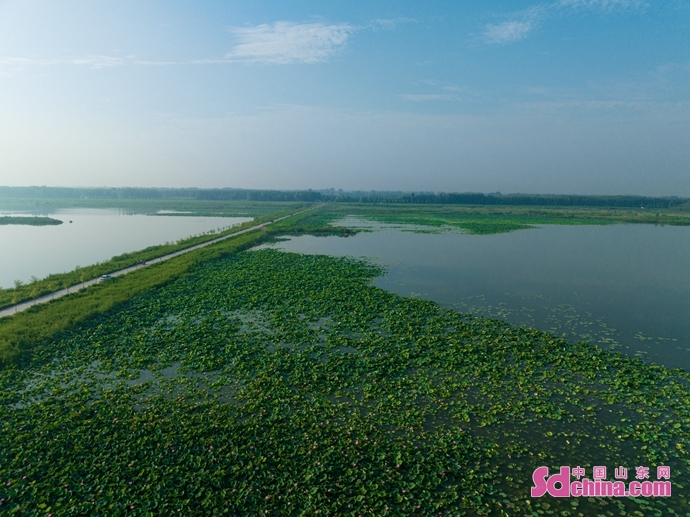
[{"x": 567, "y": 96}]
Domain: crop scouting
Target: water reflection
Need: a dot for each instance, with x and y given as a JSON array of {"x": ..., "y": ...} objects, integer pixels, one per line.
[
  {"x": 620, "y": 286},
  {"x": 88, "y": 236}
]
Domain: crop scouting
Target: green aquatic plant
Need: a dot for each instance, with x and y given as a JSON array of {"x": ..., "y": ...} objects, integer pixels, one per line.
[
  {"x": 484, "y": 220},
  {"x": 273, "y": 383}
]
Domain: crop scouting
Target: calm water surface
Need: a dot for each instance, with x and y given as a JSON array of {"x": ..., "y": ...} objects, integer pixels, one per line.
[
  {"x": 620, "y": 286},
  {"x": 94, "y": 235}
]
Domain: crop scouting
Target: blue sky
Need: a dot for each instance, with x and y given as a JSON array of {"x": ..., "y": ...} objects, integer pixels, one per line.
[{"x": 569, "y": 96}]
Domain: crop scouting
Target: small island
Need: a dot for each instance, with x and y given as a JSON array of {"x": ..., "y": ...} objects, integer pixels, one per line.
[{"x": 32, "y": 221}]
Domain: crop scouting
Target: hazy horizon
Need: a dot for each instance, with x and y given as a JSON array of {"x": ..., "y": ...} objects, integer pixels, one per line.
[
  {"x": 331, "y": 191},
  {"x": 587, "y": 97}
]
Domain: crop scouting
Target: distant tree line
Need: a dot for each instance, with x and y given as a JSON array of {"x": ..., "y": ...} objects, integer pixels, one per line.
[
  {"x": 260, "y": 195},
  {"x": 158, "y": 193},
  {"x": 81, "y": 193},
  {"x": 448, "y": 198},
  {"x": 471, "y": 198}
]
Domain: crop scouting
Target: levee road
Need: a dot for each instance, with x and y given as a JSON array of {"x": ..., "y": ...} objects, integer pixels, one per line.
[{"x": 83, "y": 285}]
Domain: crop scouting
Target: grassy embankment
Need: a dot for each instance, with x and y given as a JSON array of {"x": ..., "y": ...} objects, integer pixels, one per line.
[
  {"x": 39, "y": 287},
  {"x": 21, "y": 332},
  {"x": 30, "y": 221},
  {"x": 499, "y": 219}
]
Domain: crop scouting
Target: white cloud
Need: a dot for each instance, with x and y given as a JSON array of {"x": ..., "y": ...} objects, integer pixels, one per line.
[
  {"x": 390, "y": 24},
  {"x": 421, "y": 97},
  {"x": 98, "y": 61},
  {"x": 605, "y": 5},
  {"x": 287, "y": 42},
  {"x": 24, "y": 61},
  {"x": 157, "y": 63},
  {"x": 90, "y": 60},
  {"x": 526, "y": 21},
  {"x": 507, "y": 32}
]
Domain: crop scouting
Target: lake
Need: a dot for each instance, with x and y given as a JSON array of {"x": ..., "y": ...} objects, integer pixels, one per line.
[
  {"x": 94, "y": 235},
  {"x": 625, "y": 287}
]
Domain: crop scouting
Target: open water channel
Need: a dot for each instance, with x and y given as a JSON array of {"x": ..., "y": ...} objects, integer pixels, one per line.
[
  {"x": 621, "y": 286},
  {"x": 88, "y": 236}
]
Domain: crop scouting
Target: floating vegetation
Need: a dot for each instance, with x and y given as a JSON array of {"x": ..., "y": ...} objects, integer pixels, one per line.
[
  {"x": 31, "y": 221},
  {"x": 484, "y": 220},
  {"x": 476, "y": 224},
  {"x": 570, "y": 322},
  {"x": 271, "y": 383},
  {"x": 477, "y": 221}
]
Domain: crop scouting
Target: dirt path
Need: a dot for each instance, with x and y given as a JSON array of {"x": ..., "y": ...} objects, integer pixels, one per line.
[{"x": 83, "y": 285}]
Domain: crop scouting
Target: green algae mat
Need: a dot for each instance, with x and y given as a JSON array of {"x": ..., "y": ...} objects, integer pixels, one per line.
[{"x": 272, "y": 383}]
